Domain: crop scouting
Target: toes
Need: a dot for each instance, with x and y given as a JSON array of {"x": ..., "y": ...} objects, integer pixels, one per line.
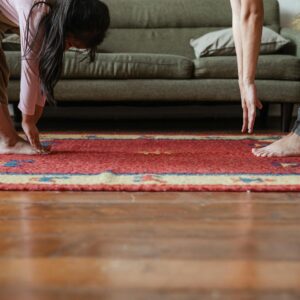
[
  {"x": 259, "y": 152},
  {"x": 267, "y": 151},
  {"x": 254, "y": 151},
  {"x": 23, "y": 148},
  {"x": 31, "y": 152},
  {"x": 264, "y": 153}
]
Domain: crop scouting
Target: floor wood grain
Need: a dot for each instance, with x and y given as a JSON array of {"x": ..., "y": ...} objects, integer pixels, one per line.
[{"x": 149, "y": 246}]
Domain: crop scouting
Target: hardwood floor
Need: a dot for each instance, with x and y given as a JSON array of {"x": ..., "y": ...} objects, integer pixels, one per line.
[
  {"x": 229, "y": 246},
  {"x": 149, "y": 246}
]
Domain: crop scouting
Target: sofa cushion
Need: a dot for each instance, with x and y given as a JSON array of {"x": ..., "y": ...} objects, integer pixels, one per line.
[
  {"x": 276, "y": 67},
  {"x": 163, "y": 90},
  {"x": 169, "y": 41},
  {"x": 116, "y": 66},
  {"x": 166, "y": 26},
  {"x": 221, "y": 43},
  {"x": 11, "y": 42}
]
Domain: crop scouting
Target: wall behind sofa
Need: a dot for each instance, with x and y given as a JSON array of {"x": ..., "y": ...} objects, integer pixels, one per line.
[{"x": 289, "y": 9}]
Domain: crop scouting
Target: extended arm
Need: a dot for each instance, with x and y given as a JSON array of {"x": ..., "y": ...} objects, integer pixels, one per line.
[
  {"x": 247, "y": 27},
  {"x": 31, "y": 99}
]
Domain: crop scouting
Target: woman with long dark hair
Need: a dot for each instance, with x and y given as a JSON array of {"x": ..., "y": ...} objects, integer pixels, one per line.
[{"x": 47, "y": 28}]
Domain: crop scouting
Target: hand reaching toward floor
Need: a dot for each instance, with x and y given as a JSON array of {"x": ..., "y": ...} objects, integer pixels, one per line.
[
  {"x": 250, "y": 102},
  {"x": 31, "y": 131}
]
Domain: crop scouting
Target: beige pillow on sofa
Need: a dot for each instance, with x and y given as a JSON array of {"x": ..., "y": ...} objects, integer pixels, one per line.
[{"x": 221, "y": 42}]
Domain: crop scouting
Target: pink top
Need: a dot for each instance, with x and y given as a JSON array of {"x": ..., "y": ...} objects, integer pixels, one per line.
[{"x": 16, "y": 11}]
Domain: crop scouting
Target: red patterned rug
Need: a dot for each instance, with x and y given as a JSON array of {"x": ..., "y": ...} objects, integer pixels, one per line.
[{"x": 152, "y": 162}]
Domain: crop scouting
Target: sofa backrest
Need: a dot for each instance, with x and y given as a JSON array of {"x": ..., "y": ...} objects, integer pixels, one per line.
[{"x": 166, "y": 26}]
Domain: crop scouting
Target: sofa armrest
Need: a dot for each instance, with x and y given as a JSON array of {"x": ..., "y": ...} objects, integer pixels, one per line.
[{"x": 294, "y": 36}]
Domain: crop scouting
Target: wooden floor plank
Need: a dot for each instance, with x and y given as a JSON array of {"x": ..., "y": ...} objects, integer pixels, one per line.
[
  {"x": 193, "y": 243},
  {"x": 129, "y": 294},
  {"x": 149, "y": 246},
  {"x": 120, "y": 197},
  {"x": 151, "y": 273}
]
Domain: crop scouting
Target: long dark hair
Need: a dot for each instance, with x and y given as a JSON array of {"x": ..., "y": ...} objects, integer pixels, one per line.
[{"x": 85, "y": 20}]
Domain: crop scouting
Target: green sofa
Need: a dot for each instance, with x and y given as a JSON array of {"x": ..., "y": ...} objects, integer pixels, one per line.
[{"x": 147, "y": 57}]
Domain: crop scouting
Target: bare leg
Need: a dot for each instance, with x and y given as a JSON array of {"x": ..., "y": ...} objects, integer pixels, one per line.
[
  {"x": 287, "y": 146},
  {"x": 10, "y": 142}
]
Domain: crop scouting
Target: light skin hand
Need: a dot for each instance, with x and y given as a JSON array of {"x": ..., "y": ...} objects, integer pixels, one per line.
[
  {"x": 31, "y": 131},
  {"x": 250, "y": 102}
]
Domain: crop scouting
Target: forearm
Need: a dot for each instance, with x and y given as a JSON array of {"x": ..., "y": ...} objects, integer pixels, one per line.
[
  {"x": 33, "y": 119},
  {"x": 236, "y": 28},
  {"x": 252, "y": 14}
]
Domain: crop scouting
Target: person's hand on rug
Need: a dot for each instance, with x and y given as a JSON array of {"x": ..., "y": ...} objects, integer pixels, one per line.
[{"x": 31, "y": 131}]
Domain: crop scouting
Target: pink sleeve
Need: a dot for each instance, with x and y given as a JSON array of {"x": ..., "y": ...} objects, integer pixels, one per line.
[{"x": 30, "y": 93}]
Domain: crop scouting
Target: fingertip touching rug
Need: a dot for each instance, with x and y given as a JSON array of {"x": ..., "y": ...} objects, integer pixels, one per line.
[{"x": 152, "y": 162}]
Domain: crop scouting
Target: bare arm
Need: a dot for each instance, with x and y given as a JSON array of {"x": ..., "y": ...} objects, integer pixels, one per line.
[
  {"x": 251, "y": 24},
  {"x": 247, "y": 27},
  {"x": 236, "y": 21}
]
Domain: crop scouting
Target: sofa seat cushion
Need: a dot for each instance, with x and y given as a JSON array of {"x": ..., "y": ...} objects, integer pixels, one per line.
[
  {"x": 116, "y": 66},
  {"x": 275, "y": 67}
]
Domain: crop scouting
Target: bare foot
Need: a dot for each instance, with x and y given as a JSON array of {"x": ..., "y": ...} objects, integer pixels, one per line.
[
  {"x": 19, "y": 147},
  {"x": 287, "y": 146}
]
